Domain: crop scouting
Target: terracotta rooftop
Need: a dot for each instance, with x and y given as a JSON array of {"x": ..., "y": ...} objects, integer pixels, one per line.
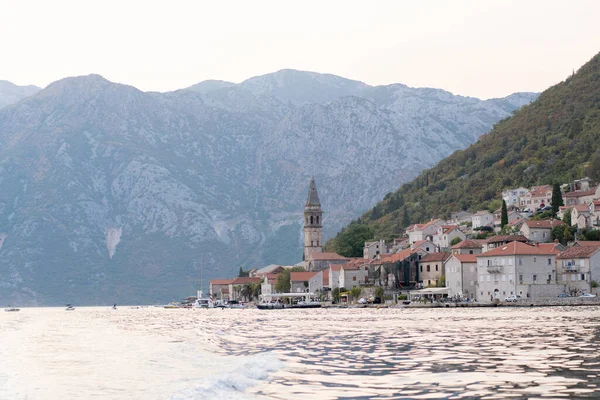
[
  {"x": 587, "y": 243},
  {"x": 581, "y": 207},
  {"x": 581, "y": 193},
  {"x": 244, "y": 280},
  {"x": 467, "y": 244},
  {"x": 394, "y": 258},
  {"x": 507, "y": 238},
  {"x": 441, "y": 256},
  {"x": 538, "y": 191},
  {"x": 517, "y": 248},
  {"x": 546, "y": 223},
  {"x": 318, "y": 256},
  {"x": 578, "y": 252},
  {"x": 302, "y": 276},
  {"x": 221, "y": 281},
  {"x": 465, "y": 258},
  {"x": 326, "y": 277}
]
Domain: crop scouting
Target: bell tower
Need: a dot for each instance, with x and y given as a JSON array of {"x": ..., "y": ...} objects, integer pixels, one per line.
[{"x": 313, "y": 222}]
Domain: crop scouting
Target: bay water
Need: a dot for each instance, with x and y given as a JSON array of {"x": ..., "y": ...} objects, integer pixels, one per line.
[{"x": 157, "y": 353}]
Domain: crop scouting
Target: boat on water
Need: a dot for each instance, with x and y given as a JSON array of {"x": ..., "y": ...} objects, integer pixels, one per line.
[
  {"x": 69, "y": 308},
  {"x": 274, "y": 301},
  {"x": 203, "y": 302},
  {"x": 172, "y": 305},
  {"x": 12, "y": 309}
]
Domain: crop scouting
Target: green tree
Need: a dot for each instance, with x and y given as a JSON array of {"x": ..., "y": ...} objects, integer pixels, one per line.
[
  {"x": 454, "y": 241},
  {"x": 567, "y": 234},
  {"x": 557, "y": 199},
  {"x": 405, "y": 217},
  {"x": 442, "y": 281},
  {"x": 567, "y": 217},
  {"x": 351, "y": 242},
  {"x": 379, "y": 292},
  {"x": 504, "y": 217},
  {"x": 283, "y": 284},
  {"x": 242, "y": 273},
  {"x": 335, "y": 295},
  {"x": 355, "y": 292}
]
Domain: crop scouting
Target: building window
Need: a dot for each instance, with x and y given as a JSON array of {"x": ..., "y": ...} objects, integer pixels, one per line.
[
  {"x": 426, "y": 248},
  {"x": 534, "y": 259},
  {"x": 428, "y": 268},
  {"x": 534, "y": 277},
  {"x": 549, "y": 261},
  {"x": 311, "y": 219},
  {"x": 583, "y": 277},
  {"x": 521, "y": 278},
  {"x": 470, "y": 251},
  {"x": 421, "y": 268},
  {"x": 549, "y": 277},
  {"x": 317, "y": 220},
  {"x": 436, "y": 267}
]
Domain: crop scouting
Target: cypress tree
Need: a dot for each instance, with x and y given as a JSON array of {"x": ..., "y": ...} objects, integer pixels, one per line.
[
  {"x": 504, "y": 217},
  {"x": 557, "y": 199}
]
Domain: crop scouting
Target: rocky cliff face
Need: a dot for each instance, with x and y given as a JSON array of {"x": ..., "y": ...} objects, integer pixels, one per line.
[{"x": 110, "y": 194}]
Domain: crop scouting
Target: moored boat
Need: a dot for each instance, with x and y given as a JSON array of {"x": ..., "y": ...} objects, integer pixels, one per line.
[
  {"x": 12, "y": 309},
  {"x": 69, "y": 308}
]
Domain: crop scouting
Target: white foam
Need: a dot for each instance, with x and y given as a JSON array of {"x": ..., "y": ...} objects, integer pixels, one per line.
[{"x": 241, "y": 373}]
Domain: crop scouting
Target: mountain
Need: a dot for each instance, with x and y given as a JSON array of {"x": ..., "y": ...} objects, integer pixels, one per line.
[
  {"x": 554, "y": 139},
  {"x": 209, "y": 86},
  {"x": 11, "y": 93},
  {"x": 113, "y": 195}
]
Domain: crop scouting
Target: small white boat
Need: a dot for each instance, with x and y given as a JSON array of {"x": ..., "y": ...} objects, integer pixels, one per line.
[
  {"x": 203, "y": 302},
  {"x": 12, "y": 309},
  {"x": 69, "y": 308}
]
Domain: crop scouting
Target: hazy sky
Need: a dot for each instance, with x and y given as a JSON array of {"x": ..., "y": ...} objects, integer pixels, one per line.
[{"x": 477, "y": 48}]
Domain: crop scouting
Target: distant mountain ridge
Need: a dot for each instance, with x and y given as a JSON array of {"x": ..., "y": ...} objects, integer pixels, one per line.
[
  {"x": 555, "y": 139},
  {"x": 110, "y": 194},
  {"x": 11, "y": 93}
]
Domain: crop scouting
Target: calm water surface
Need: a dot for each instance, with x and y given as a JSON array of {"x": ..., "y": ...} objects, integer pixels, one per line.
[{"x": 154, "y": 353}]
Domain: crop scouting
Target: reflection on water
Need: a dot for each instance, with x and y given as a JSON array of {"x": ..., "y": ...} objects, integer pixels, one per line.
[{"x": 155, "y": 353}]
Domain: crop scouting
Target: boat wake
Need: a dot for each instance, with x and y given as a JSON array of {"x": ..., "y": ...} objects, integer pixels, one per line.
[{"x": 242, "y": 373}]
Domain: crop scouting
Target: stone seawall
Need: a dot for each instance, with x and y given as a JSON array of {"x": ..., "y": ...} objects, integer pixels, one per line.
[{"x": 558, "y": 302}]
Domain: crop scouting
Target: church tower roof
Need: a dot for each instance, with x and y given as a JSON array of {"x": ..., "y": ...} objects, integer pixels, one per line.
[{"x": 313, "y": 196}]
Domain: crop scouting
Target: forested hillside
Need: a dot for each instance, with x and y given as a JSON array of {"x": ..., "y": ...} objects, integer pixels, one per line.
[{"x": 554, "y": 139}]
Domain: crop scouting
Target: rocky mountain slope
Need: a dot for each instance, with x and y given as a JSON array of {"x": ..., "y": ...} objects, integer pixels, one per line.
[
  {"x": 110, "y": 194},
  {"x": 555, "y": 139},
  {"x": 11, "y": 93}
]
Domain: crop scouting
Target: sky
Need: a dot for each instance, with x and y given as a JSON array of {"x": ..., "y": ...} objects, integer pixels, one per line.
[{"x": 480, "y": 48}]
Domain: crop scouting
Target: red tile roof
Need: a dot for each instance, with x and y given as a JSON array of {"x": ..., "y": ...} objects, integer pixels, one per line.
[
  {"x": 588, "y": 243},
  {"x": 465, "y": 258},
  {"x": 578, "y": 252},
  {"x": 507, "y": 238},
  {"x": 244, "y": 280},
  {"x": 467, "y": 244},
  {"x": 441, "y": 256},
  {"x": 221, "y": 281},
  {"x": 350, "y": 267},
  {"x": 543, "y": 224},
  {"x": 302, "y": 276},
  {"x": 335, "y": 267},
  {"x": 581, "y": 207},
  {"x": 318, "y": 256},
  {"x": 394, "y": 258},
  {"x": 517, "y": 248},
  {"x": 540, "y": 191},
  {"x": 581, "y": 193}
]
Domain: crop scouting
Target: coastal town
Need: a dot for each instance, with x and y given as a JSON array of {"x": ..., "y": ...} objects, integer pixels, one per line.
[{"x": 482, "y": 257}]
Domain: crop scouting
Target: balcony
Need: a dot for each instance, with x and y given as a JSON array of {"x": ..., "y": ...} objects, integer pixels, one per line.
[
  {"x": 571, "y": 268},
  {"x": 495, "y": 269}
]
